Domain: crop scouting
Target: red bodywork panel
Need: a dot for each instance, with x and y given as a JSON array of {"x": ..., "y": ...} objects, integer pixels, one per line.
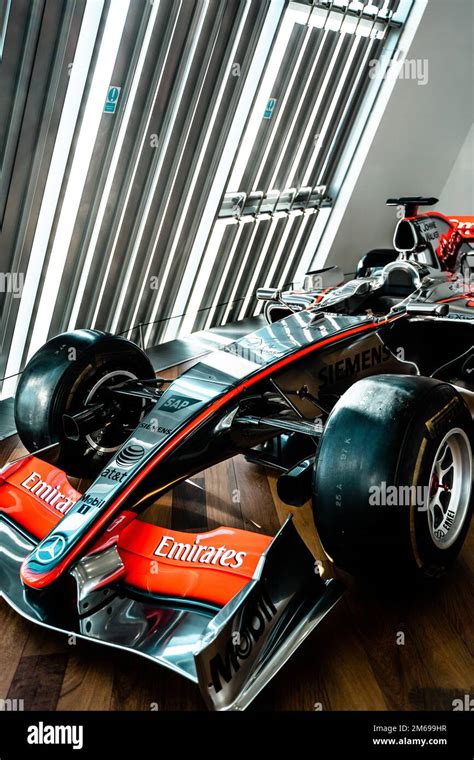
[
  {"x": 35, "y": 495},
  {"x": 464, "y": 225},
  {"x": 211, "y": 566},
  {"x": 461, "y": 228}
]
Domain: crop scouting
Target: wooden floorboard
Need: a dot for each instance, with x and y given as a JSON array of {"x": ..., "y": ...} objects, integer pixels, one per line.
[{"x": 355, "y": 660}]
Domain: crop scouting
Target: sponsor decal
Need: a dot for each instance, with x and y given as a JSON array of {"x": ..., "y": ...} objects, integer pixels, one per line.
[
  {"x": 177, "y": 403},
  {"x": 111, "y": 473},
  {"x": 239, "y": 645},
  {"x": 129, "y": 456},
  {"x": 464, "y": 226},
  {"x": 353, "y": 365},
  {"x": 50, "y": 549},
  {"x": 427, "y": 226},
  {"x": 435, "y": 425},
  {"x": 47, "y": 493},
  {"x": 429, "y": 231},
  {"x": 443, "y": 529},
  {"x": 154, "y": 427},
  {"x": 89, "y": 501},
  {"x": 42, "y": 733},
  {"x": 199, "y": 553}
]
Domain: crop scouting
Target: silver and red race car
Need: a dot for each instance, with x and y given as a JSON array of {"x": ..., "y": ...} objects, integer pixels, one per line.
[{"x": 351, "y": 387}]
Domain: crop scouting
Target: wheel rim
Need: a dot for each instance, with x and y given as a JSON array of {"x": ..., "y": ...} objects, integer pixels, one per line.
[
  {"x": 450, "y": 488},
  {"x": 93, "y": 439}
]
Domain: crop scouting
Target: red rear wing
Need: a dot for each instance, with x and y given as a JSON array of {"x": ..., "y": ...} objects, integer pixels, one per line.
[
  {"x": 464, "y": 225},
  {"x": 444, "y": 234}
]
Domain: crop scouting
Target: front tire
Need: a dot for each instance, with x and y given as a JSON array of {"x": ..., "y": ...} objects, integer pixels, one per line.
[
  {"x": 70, "y": 372},
  {"x": 392, "y": 491}
]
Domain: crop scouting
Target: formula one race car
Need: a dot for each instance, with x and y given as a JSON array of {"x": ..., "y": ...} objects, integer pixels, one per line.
[
  {"x": 369, "y": 384},
  {"x": 440, "y": 243}
]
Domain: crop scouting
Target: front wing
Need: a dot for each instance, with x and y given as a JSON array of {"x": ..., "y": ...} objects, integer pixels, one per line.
[{"x": 231, "y": 652}]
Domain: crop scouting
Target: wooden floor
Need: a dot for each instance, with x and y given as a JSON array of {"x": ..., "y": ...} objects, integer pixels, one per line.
[{"x": 351, "y": 662}]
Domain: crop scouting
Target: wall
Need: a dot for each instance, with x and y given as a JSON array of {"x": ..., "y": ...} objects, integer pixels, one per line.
[
  {"x": 457, "y": 196},
  {"x": 101, "y": 231},
  {"x": 421, "y": 145}
]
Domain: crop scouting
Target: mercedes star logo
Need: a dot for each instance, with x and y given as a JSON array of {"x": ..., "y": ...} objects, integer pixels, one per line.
[{"x": 50, "y": 549}]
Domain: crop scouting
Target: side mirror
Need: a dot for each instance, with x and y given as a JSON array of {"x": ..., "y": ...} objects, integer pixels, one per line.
[{"x": 269, "y": 294}]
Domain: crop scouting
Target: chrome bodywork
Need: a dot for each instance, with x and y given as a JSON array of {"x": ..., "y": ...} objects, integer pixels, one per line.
[{"x": 250, "y": 638}]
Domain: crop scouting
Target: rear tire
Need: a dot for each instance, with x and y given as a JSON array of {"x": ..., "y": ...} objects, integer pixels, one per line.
[
  {"x": 392, "y": 490},
  {"x": 70, "y": 371}
]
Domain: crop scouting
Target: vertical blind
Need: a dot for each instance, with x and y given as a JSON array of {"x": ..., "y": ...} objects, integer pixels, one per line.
[{"x": 202, "y": 178}]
